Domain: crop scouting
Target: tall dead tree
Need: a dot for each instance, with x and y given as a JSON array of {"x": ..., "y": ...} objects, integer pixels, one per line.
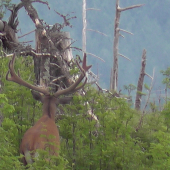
[
  {"x": 85, "y": 29},
  {"x": 140, "y": 82},
  {"x": 116, "y": 54},
  {"x": 149, "y": 89}
]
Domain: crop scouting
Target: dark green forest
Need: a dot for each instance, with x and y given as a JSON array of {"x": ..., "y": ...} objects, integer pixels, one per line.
[{"x": 125, "y": 139}]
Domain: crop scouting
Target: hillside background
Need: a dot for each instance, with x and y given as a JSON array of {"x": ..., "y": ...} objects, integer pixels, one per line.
[{"x": 150, "y": 25}]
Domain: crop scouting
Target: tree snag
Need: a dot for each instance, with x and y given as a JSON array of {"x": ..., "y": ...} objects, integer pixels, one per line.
[
  {"x": 114, "y": 72},
  {"x": 140, "y": 82}
]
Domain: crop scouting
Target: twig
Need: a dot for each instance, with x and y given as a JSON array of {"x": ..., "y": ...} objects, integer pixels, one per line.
[
  {"x": 54, "y": 64},
  {"x": 97, "y": 31},
  {"x": 26, "y": 34},
  {"x": 124, "y": 56},
  {"x": 126, "y": 31},
  {"x": 122, "y": 35},
  {"x": 79, "y": 49},
  {"x": 46, "y": 3},
  {"x": 26, "y": 41},
  {"x": 130, "y": 7},
  {"x": 69, "y": 46},
  {"x": 55, "y": 80},
  {"x": 148, "y": 75},
  {"x": 95, "y": 56}
]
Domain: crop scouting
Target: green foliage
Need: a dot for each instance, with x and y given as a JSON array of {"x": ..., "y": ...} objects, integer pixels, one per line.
[
  {"x": 147, "y": 87},
  {"x": 129, "y": 88},
  {"x": 141, "y": 93},
  {"x": 18, "y": 113},
  {"x": 112, "y": 142},
  {"x": 160, "y": 151},
  {"x": 166, "y": 80},
  {"x": 9, "y": 158},
  {"x": 45, "y": 161}
]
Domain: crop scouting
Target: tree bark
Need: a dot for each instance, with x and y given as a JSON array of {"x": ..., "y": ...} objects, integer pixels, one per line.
[
  {"x": 140, "y": 82},
  {"x": 114, "y": 79},
  {"x": 84, "y": 27},
  {"x": 115, "y": 49}
]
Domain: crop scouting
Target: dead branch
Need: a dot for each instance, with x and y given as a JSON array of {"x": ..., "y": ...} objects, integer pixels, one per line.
[
  {"x": 95, "y": 56},
  {"x": 26, "y": 34},
  {"x": 151, "y": 87},
  {"x": 66, "y": 20},
  {"x": 121, "y": 35},
  {"x": 126, "y": 31},
  {"x": 97, "y": 31},
  {"x": 124, "y": 56},
  {"x": 24, "y": 42},
  {"x": 46, "y": 3},
  {"x": 148, "y": 75},
  {"x": 13, "y": 22},
  {"x": 79, "y": 49},
  {"x": 130, "y": 7}
]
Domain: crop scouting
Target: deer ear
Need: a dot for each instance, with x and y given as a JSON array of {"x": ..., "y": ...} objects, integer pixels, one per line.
[
  {"x": 36, "y": 95},
  {"x": 65, "y": 100}
]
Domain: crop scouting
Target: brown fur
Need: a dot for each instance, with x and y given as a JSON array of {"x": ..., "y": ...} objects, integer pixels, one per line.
[{"x": 44, "y": 131}]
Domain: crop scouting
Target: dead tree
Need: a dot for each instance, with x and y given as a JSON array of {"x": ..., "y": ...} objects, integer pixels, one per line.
[
  {"x": 140, "y": 82},
  {"x": 116, "y": 54},
  {"x": 84, "y": 9},
  {"x": 147, "y": 101},
  {"x": 53, "y": 53}
]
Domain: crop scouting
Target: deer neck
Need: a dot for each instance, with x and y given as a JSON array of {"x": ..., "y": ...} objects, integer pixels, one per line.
[{"x": 49, "y": 108}]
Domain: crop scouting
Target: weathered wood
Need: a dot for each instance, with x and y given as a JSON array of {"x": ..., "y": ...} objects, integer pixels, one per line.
[
  {"x": 115, "y": 49},
  {"x": 84, "y": 27},
  {"x": 140, "y": 82},
  {"x": 114, "y": 80},
  {"x": 9, "y": 39}
]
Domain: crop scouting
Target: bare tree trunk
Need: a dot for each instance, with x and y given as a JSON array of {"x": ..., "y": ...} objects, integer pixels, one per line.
[
  {"x": 115, "y": 48},
  {"x": 140, "y": 81},
  {"x": 84, "y": 27},
  {"x": 147, "y": 101},
  {"x": 114, "y": 83}
]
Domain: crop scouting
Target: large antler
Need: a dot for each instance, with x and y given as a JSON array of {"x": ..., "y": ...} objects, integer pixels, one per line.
[
  {"x": 16, "y": 78},
  {"x": 74, "y": 87}
]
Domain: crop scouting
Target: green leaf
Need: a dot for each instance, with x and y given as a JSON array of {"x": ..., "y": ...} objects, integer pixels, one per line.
[{"x": 146, "y": 87}]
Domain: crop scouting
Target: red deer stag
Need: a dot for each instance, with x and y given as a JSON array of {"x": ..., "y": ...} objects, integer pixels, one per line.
[{"x": 34, "y": 137}]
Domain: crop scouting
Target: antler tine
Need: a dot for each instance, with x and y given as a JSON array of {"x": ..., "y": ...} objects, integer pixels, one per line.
[
  {"x": 11, "y": 70},
  {"x": 84, "y": 66},
  {"x": 81, "y": 86},
  {"x": 73, "y": 88},
  {"x": 16, "y": 78}
]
